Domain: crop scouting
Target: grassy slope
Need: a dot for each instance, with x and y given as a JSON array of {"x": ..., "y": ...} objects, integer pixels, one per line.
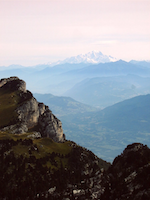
[
  {"x": 8, "y": 103},
  {"x": 45, "y": 146}
]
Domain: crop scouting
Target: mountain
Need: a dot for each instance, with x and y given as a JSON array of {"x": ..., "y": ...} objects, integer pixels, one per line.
[
  {"x": 108, "y": 131},
  {"x": 141, "y": 63},
  {"x": 37, "y": 162},
  {"x": 20, "y": 111},
  {"x": 93, "y": 57},
  {"x": 60, "y": 80},
  {"x": 63, "y": 105},
  {"x": 130, "y": 115},
  {"x": 105, "y": 91},
  {"x": 128, "y": 177},
  {"x": 36, "y": 159},
  {"x": 111, "y": 69}
]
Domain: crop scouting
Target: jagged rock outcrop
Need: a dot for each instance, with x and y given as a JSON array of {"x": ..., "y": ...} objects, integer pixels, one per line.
[
  {"x": 30, "y": 113},
  {"x": 50, "y": 126},
  {"x": 13, "y": 83},
  {"x": 127, "y": 178},
  {"x": 129, "y": 175}
]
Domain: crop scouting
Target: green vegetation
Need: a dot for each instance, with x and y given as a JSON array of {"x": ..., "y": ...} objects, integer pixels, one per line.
[
  {"x": 47, "y": 145},
  {"x": 32, "y": 166},
  {"x": 10, "y": 99},
  {"x": 8, "y": 103},
  {"x": 6, "y": 135},
  {"x": 39, "y": 148}
]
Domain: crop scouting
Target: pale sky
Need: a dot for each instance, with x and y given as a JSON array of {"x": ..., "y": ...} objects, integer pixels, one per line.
[{"x": 41, "y": 31}]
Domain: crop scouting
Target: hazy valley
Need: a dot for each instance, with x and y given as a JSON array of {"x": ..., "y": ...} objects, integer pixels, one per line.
[
  {"x": 76, "y": 93},
  {"x": 106, "y": 132}
]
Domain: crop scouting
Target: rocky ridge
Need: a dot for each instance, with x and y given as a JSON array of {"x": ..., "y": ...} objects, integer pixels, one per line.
[
  {"x": 129, "y": 175},
  {"x": 30, "y": 113},
  {"x": 127, "y": 178}
]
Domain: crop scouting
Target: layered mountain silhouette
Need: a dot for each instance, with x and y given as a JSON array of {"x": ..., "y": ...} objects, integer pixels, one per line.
[
  {"x": 99, "y": 85},
  {"x": 62, "y": 105}
]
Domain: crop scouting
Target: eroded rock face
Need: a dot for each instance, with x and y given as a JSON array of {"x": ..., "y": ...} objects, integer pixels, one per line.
[
  {"x": 128, "y": 177},
  {"x": 31, "y": 113},
  {"x": 50, "y": 126},
  {"x": 13, "y": 83}
]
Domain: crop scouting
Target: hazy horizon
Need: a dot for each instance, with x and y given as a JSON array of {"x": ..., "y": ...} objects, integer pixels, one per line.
[{"x": 41, "y": 31}]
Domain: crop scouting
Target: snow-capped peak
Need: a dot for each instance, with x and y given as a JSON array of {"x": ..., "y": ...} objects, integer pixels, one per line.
[{"x": 91, "y": 57}]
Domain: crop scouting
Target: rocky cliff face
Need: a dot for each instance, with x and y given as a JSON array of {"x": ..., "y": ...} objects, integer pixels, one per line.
[
  {"x": 13, "y": 83},
  {"x": 129, "y": 175},
  {"x": 30, "y": 113}
]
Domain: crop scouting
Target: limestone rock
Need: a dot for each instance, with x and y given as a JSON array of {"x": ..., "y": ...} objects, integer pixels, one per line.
[
  {"x": 13, "y": 83},
  {"x": 16, "y": 128},
  {"x": 28, "y": 113},
  {"x": 31, "y": 113},
  {"x": 50, "y": 126},
  {"x": 35, "y": 135}
]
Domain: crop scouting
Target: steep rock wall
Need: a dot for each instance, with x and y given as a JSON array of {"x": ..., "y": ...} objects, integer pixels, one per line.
[
  {"x": 50, "y": 126},
  {"x": 31, "y": 113}
]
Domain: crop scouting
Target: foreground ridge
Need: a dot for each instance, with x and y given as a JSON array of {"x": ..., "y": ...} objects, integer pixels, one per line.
[
  {"x": 37, "y": 162},
  {"x": 129, "y": 175}
]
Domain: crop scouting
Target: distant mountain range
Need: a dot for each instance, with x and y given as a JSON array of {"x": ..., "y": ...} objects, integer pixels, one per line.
[
  {"x": 105, "y": 91},
  {"x": 63, "y": 106},
  {"x": 141, "y": 63},
  {"x": 98, "y": 85}
]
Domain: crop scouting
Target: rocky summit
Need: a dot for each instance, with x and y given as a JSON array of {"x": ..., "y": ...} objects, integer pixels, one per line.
[
  {"x": 129, "y": 175},
  {"x": 29, "y": 114},
  {"x": 38, "y": 162}
]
